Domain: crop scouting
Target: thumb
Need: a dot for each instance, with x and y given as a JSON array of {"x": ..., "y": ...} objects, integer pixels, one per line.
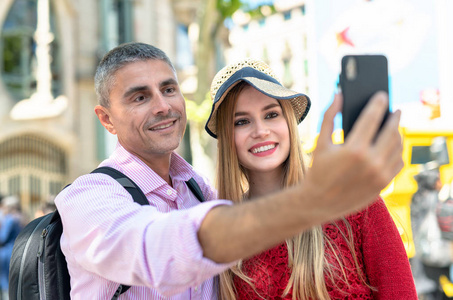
[{"x": 327, "y": 126}]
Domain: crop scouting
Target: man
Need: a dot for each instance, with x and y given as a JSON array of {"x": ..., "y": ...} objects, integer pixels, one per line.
[{"x": 173, "y": 248}]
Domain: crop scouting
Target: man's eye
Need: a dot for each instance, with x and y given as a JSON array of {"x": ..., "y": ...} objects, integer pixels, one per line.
[
  {"x": 170, "y": 90},
  {"x": 139, "y": 98},
  {"x": 271, "y": 115},
  {"x": 241, "y": 122}
]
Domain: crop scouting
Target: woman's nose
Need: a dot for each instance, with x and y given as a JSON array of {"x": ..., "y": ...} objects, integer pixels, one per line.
[{"x": 260, "y": 129}]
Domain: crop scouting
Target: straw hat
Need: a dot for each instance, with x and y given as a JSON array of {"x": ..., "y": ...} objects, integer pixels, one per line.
[{"x": 261, "y": 77}]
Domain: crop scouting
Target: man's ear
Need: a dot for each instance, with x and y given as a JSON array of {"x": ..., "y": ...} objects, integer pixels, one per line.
[{"x": 104, "y": 117}]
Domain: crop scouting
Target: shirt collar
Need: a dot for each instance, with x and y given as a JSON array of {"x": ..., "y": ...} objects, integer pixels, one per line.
[{"x": 148, "y": 180}]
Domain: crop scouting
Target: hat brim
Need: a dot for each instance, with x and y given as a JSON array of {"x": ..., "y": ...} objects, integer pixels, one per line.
[{"x": 301, "y": 103}]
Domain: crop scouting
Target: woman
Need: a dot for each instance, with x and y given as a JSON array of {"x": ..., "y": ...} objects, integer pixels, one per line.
[{"x": 362, "y": 256}]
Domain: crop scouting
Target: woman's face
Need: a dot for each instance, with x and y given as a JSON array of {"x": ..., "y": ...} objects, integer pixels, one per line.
[{"x": 261, "y": 133}]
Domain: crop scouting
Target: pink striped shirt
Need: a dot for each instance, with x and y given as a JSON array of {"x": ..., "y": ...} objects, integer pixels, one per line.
[{"x": 107, "y": 238}]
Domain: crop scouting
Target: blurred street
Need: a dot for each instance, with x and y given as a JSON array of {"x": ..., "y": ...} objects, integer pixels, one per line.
[{"x": 49, "y": 134}]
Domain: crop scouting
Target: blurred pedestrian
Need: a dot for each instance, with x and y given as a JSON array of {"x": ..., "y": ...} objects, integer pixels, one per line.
[
  {"x": 11, "y": 225},
  {"x": 46, "y": 207},
  {"x": 432, "y": 253}
]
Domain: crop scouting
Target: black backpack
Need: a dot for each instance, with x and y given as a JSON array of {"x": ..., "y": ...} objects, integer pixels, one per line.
[{"x": 38, "y": 268}]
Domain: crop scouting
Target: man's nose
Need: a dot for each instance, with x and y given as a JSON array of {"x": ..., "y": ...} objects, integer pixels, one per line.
[{"x": 160, "y": 105}]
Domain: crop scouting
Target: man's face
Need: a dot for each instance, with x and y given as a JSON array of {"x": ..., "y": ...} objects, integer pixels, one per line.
[{"x": 147, "y": 109}]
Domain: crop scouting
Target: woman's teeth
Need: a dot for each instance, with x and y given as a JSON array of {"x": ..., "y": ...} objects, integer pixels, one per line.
[{"x": 263, "y": 148}]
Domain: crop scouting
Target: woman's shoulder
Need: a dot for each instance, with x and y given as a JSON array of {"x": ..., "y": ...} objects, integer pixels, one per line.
[
  {"x": 375, "y": 209},
  {"x": 357, "y": 223}
]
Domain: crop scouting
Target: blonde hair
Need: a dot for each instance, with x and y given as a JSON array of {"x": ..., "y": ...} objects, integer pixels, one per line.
[{"x": 306, "y": 257}]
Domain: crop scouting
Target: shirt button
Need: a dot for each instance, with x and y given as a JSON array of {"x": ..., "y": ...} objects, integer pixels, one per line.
[{"x": 169, "y": 192}]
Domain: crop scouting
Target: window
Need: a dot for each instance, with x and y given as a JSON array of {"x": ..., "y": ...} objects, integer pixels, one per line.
[
  {"x": 184, "y": 55},
  {"x": 117, "y": 22},
  {"x": 420, "y": 155},
  {"x": 123, "y": 8},
  {"x": 287, "y": 15},
  {"x": 17, "y": 50},
  {"x": 287, "y": 56},
  {"x": 33, "y": 168},
  {"x": 425, "y": 154}
]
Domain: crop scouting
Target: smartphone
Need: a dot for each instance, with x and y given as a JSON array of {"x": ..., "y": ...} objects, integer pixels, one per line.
[{"x": 361, "y": 76}]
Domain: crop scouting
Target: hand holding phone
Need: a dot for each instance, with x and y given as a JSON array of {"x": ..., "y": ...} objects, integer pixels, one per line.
[{"x": 360, "y": 78}]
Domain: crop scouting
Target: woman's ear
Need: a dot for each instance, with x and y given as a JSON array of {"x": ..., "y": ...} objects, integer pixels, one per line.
[{"x": 104, "y": 117}]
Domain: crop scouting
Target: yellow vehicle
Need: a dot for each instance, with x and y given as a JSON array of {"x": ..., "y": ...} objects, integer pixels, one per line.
[{"x": 416, "y": 152}]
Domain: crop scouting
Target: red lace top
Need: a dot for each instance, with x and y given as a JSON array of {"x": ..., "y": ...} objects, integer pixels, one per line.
[{"x": 379, "y": 250}]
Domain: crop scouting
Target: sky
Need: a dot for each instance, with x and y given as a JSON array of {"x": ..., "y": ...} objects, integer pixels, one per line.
[
  {"x": 405, "y": 31},
  {"x": 402, "y": 30},
  {"x": 255, "y": 3}
]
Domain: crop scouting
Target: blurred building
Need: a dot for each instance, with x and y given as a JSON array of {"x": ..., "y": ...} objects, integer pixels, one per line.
[
  {"x": 281, "y": 38},
  {"x": 49, "y": 133},
  {"x": 49, "y": 49}
]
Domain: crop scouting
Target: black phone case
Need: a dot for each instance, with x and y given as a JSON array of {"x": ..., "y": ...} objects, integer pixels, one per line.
[{"x": 371, "y": 76}]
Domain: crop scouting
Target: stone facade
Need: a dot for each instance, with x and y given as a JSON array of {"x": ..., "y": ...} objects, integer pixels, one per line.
[
  {"x": 282, "y": 39},
  {"x": 40, "y": 156}
]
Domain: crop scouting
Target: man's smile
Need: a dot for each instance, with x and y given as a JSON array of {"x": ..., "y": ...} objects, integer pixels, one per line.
[{"x": 163, "y": 126}]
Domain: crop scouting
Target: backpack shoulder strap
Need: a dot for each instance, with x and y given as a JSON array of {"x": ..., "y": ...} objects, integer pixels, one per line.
[
  {"x": 126, "y": 182},
  {"x": 195, "y": 188},
  {"x": 140, "y": 198},
  {"x": 136, "y": 194}
]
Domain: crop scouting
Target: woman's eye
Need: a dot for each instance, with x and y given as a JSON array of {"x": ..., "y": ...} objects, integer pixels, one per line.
[
  {"x": 240, "y": 122},
  {"x": 272, "y": 115}
]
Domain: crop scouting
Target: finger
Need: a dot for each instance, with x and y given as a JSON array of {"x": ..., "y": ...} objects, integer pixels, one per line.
[
  {"x": 396, "y": 163},
  {"x": 388, "y": 147},
  {"x": 369, "y": 120},
  {"x": 389, "y": 140},
  {"x": 392, "y": 166},
  {"x": 325, "y": 133}
]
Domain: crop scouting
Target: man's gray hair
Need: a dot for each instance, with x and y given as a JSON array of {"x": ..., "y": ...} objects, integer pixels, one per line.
[{"x": 117, "y": 58}]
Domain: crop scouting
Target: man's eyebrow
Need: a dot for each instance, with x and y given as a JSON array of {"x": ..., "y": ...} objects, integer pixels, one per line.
[
  {"x": 135, "y": 89},
  {"x": 240, "y": 113},
  {"x": 170, "y": 81},
  {"x": 144, "y": 88}
]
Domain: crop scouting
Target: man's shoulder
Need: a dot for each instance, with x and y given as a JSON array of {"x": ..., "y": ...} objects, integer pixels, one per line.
[{"x": 87, "y": 182}]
